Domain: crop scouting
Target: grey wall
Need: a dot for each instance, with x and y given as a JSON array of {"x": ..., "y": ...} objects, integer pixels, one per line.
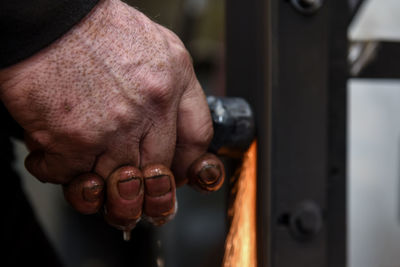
[{"x": 374, "y": 151}]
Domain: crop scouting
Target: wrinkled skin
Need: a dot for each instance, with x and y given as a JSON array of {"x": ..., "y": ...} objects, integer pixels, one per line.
[{"x": 106, "y": 106}]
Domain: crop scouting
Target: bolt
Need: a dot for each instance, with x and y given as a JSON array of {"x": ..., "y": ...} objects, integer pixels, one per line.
[
  {"x": 307, "y": 7},
  {"x": 309, "y": 3},
  {"x": 306, "y": 221}
]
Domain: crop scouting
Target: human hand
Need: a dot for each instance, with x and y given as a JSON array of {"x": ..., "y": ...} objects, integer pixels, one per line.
[
  {"x": 131, "y": 193},
  {"x": 116, "y": 90}
]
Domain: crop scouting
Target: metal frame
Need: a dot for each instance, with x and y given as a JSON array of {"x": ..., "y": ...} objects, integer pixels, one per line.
[
  {"x": 292, "y": 68},
  {"x": 375, "y": 60}
]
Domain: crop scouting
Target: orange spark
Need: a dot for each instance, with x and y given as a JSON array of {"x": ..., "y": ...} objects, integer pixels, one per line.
[{"x": 240, "y": 245}]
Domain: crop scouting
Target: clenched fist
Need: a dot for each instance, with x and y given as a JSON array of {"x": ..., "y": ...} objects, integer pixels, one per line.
[{"x": 113, "y": 105}]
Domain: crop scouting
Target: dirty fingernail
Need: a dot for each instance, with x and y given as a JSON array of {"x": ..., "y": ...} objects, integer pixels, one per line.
[
  {"x": 209, "y": 174},
  {"x": 128, "y": 189},
  {"x": 92, "y": 193},
  {"x": 157, "y": 185}
]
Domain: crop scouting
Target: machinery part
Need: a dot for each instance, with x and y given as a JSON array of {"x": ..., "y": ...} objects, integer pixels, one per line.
[
  {"x": 307, "y": 7},
  {"x": 306, "y": 222},
  {"x": 233, "y": 123}
]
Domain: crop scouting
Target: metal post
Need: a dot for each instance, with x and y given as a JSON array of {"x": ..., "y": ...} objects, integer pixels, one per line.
[{"x": 292, "y": 67}]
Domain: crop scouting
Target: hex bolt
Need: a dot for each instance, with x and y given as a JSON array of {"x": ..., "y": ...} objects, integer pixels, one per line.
[
  {"x": 307, "y": 7},
  {"x": 306, "y": 222},
  {"x": 309, "y": 3}
]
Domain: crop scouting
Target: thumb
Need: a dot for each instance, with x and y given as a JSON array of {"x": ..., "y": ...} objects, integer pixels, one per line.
[{"x": 194, "y": 132}]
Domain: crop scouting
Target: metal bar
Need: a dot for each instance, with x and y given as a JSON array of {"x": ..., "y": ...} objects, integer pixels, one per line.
[
  {"x": 291, "y": 67},
  {"x": 299, "y": 136},
  {"x": 337, "y": 114},
  {"x": 374, "y": 59}
]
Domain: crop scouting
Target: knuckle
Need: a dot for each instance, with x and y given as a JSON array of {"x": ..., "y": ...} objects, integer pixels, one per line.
[
  {"x": 119, "y": 113},
  {"x": 182, "y": 56},
  {"x": 42, "y": 139},
  {"x": 159, "y": 89}
]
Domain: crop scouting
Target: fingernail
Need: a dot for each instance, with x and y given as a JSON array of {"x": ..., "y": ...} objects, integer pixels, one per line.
[
  {"x": 209, "y": 174},
  {"x": 157, "y": 185},
  {"x": 128, "y": 189},
  {"x": 92, "y": 193}
]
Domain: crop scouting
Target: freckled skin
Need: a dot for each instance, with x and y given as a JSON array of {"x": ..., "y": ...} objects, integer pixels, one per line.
[{"x": 117, "y": 89}]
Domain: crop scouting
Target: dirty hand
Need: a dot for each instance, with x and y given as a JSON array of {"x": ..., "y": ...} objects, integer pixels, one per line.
[{"x": 114, "y": 102}]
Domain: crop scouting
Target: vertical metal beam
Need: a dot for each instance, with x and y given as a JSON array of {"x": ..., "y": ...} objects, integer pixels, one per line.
[
  {"x": 299, "y": 135},
  {"x": 292, "y": 68},
  {"x": 337, "y": 144}
]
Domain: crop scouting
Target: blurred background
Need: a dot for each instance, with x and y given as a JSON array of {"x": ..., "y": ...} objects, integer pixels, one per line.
[
  {"x": 196, "y": 236},
  {"x": 374, "y": 149}
]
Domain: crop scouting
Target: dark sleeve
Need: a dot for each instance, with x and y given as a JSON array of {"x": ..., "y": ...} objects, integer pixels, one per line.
[{"x": 26, "y": 26}]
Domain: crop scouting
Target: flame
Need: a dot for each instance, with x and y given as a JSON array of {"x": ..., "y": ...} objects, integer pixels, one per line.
[{"x": 240, "y": 245}]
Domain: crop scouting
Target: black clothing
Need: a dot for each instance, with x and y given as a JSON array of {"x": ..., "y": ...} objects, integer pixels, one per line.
[
  {"x": 26, "y": 26},
  {"x": 23, "y": 238}
]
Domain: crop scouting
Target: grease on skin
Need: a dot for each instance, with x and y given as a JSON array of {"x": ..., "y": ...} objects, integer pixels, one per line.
[
  {"x": 207, "y": 173},
  {"x": 124, "y": 211},
  {"x": 160, "y": 195},
  {"x": 85, "y": 193},
  {"x": 126, "y": 190}
]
